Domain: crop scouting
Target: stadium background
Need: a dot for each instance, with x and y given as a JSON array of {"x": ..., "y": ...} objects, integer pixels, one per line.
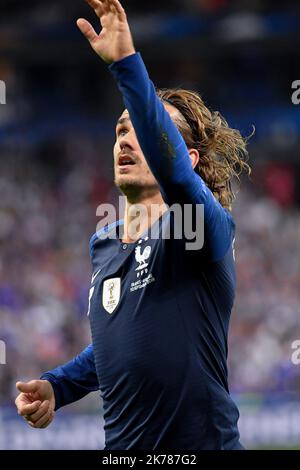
[{"x": 56, "y": 136}]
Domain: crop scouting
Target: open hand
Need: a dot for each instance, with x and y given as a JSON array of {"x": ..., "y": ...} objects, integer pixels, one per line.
[{"x": 114, "y": 41}]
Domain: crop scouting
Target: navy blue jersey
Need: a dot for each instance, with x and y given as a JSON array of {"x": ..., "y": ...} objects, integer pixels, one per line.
[{"x": 159, "y": 313}]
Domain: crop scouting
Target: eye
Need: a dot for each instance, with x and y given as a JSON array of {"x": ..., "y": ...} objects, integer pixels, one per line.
[{"x": 122, "y": 131}]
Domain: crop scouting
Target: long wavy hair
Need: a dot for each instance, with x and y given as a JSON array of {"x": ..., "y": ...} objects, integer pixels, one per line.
[{"x": 223, "y": 151}]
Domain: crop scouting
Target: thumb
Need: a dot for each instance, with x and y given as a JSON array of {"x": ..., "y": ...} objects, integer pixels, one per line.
[
  {"x": 87, "y": 30},
  {"x": 29, "y": 387}
]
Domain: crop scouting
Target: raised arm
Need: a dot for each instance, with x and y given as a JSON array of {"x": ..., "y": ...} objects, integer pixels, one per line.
[{"x": 162, "y": 144}]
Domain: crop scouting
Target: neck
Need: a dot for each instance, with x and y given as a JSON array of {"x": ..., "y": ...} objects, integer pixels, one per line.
[{"x": 141, "y": 214}]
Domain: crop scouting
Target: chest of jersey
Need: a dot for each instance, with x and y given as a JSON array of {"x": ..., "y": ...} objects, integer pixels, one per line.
[{"x": 153, "y": 313}]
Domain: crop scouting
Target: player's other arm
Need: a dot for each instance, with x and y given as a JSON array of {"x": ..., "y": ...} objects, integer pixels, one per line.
[
  {"x": 39, "y": 399},
  {"x": 75, "y": 379}
]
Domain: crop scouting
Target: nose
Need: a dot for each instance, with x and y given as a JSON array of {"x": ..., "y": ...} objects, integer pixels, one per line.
[{"x": 125, "y": 142}]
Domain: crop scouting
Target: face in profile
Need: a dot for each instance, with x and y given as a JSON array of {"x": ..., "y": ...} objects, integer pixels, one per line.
[{"x": 131, "y": 169}]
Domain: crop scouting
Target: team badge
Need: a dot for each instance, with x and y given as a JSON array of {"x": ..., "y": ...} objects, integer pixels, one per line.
[
  {"x": 111, "y": 294},
  {"x": 141, "y": 258}
]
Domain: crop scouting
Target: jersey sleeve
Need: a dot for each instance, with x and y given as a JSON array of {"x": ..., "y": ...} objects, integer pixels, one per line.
[
  {"x": 167, "y": 154},
  {"x": 75, "y": 379}
]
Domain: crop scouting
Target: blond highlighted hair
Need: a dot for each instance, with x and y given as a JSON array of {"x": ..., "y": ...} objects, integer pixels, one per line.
[{"x": 222, "y": 150}]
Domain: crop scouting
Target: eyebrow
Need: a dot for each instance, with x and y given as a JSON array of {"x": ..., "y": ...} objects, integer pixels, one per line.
[{"x": 123, "y": 120}]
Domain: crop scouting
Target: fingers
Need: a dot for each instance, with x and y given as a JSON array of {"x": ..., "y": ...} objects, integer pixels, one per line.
[
  {"x": 29, "y": 387},
  {"x": 104, "y": 6},
  {"x": 40, "y": 413},
  {"x": 49, "y": 421},
  {"x": 87, "y": 30},
  {"x": 42, "y": 417},
  {"x": 94, "y": 3},
  {"x": 25, "y": 409},
  {"x": 118, "y": 9},
  {"x": 98, "y": 6},
  {"x": 43, "y": 422}
]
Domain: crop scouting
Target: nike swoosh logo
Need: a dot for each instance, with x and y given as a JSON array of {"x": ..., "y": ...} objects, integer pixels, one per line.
[{"x": 95, "y": 275}]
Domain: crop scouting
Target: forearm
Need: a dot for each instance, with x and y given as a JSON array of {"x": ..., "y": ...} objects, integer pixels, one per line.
[
  {"x": 73, "y": 380},
  {"x": 161, "y": 142}
]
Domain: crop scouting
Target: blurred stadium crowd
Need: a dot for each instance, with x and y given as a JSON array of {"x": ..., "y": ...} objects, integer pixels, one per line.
[{"x": 56, "y": 137}]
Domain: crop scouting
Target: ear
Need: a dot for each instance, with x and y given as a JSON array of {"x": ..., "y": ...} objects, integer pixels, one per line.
[{"x": 194, "y": 156}]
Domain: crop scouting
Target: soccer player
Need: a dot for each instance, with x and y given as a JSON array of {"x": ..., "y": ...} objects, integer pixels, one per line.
[{"x": 159, "y": 313}]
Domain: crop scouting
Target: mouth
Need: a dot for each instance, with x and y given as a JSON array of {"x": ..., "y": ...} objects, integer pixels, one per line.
[{"x": 125, "y": 161}]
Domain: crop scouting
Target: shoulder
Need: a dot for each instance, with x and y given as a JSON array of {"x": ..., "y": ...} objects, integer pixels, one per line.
[{"x": 110, "y": 231}]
